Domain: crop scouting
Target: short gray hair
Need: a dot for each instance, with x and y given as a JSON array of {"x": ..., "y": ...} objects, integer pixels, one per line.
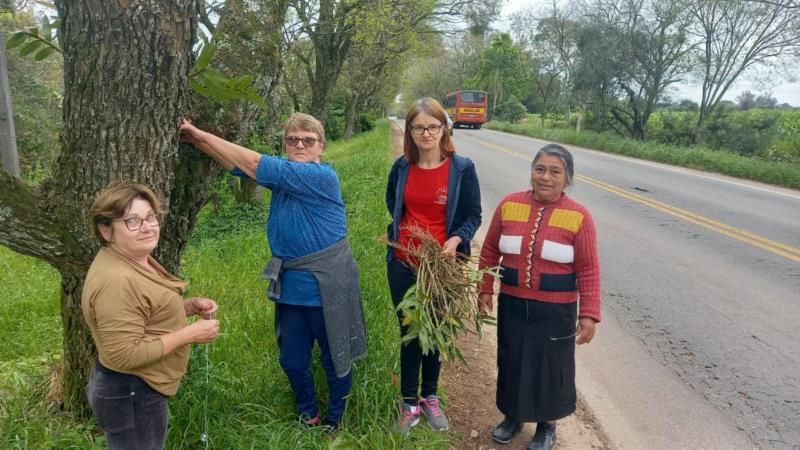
[{"x": 562, "y": 153}]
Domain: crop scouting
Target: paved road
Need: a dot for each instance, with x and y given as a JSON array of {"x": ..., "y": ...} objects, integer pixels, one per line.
[{"x": 701, "y": 286}]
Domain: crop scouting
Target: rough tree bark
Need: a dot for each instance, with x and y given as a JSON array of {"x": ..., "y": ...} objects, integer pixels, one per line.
[{"x": 125, "y": 69}]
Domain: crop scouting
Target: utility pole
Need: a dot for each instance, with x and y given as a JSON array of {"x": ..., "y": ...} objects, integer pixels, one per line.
[{"x": 8, "y": 138}]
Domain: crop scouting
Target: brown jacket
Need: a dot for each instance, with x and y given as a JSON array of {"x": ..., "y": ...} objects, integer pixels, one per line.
[{"x": 128, "y": 308}]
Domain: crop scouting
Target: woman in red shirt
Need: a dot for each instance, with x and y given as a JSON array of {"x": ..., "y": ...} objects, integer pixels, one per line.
[
  {"x": 545, "y": 245},
  {"x": 432, "y": 188}
]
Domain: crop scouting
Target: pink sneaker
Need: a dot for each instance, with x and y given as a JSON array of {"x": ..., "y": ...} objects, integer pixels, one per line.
[
  {"x": 409, "y": 417},
  {"x": 312, "y": 422},
  {"x": 433, "y": 412}
]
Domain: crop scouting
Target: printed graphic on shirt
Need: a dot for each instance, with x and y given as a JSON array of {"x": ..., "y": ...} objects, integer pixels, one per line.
[
  {"x": 560, "y": 253},
  {"x": 566, "y": 219},
  {"x": 440, "y": 197},
  {"x": 510, "y": 245},
  {"x": 515, "y": 212}
]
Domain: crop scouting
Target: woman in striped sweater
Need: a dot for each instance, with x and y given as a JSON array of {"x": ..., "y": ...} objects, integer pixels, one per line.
[{"x": 545, "y": 244}]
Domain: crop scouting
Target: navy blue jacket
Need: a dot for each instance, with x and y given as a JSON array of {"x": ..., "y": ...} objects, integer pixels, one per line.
[{"x": 463, "y": 211}]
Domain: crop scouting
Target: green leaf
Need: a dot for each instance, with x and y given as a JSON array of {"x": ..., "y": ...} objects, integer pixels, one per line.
[
  {"x": 199, "y": 87},
  {"x": 33, "y": 31},
  {"x": 44, "y": 53},
  {"x": 30, "y": 47},
  {"x": 56, "y": 24},
  {"x": 17, "y": 39},
  {"x": 47, "y": 30},
  {"x": 205, "y": 57},
  {"x": 240, "y": 83}
]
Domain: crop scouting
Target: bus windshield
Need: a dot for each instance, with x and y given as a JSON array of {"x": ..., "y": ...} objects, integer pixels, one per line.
[{"x": 473, "y": 97}]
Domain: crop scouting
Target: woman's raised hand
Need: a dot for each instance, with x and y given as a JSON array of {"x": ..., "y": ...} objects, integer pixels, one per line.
[{"x": 190, "y": 133}]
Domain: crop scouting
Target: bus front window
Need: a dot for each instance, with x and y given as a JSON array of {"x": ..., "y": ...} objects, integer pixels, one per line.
[{"x": 473, "y": 97}]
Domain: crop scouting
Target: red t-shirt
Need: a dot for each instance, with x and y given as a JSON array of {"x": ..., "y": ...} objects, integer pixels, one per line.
[{"x": 425, "y": 204}]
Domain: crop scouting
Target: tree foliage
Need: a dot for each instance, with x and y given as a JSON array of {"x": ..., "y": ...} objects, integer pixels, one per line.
[
  {"x": 737, "y": 37},
  {"x": 631, "y": 51},
  {"x": 502, "y": 69}
]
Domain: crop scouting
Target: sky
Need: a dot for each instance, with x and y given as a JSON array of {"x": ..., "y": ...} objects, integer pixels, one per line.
[{"x": 784, "y": 91}]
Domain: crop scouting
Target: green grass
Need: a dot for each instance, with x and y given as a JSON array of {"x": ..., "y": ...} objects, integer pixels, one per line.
[
  {"x": 250, "y": 401},
  {"x": 785, "y": 174}
]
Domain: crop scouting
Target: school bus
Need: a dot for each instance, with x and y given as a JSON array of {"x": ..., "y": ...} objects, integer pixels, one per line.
[{"x": 467, "y": 108}]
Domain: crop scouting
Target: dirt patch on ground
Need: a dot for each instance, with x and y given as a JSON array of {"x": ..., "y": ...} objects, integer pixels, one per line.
[
  {"x": 471, "y": 388},
  {"x": 397, "y": 138}
]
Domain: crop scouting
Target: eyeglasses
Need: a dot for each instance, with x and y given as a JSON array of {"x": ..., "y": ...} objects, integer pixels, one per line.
[
  {"x": 134, "y": 223},
  {"x": 419, "y": 130},
  {"x": 292, "y": 141}
]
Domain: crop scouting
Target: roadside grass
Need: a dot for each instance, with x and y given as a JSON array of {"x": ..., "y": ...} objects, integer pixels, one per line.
[
  {"x": 784, "y": 174},
  {"x": 250, "y": 403}
]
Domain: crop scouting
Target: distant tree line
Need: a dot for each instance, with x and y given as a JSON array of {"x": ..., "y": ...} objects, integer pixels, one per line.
[{"x": 610, "y": 64}]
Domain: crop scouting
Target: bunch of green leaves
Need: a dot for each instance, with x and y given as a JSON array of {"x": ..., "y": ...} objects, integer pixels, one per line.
[
  {"x": 209, "y": 82},
  {"x": 444, "y": 301},
  {"x": 44, "y": 40},
  {"x": 38, "y": 41}
]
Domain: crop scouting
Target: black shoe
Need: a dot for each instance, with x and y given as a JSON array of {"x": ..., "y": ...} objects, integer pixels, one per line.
[
  {"x": 333, "y": 426},
  {"x": 544, "y": 438},
  {"x": 504, "y": 431}
]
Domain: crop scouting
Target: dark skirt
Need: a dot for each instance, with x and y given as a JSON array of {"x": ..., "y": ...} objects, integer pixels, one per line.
[{"x": 535, "y": 359}]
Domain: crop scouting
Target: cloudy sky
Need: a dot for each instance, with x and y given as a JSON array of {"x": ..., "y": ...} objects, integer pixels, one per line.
[{"x": 784, "y": 91}]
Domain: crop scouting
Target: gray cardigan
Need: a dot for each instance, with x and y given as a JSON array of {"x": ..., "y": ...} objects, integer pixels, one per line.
[{"x": 337, "y": 273}]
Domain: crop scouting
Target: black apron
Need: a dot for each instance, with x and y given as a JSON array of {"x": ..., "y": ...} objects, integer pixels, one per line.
[{"x": 535, "y": 359}]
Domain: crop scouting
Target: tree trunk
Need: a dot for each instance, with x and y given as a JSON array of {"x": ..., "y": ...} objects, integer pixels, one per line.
[
  {"x": 698, "y": 129},
  {"x": 569, "y": 114},
  {"x": 125, "y": 71},
  {"x": 350, "y": 115},
  {"x": 8, "y": 138},
  {"x": 326, "y": 73}
]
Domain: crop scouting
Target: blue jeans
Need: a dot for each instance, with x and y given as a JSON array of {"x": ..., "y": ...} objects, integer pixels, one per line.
[
  {"x": 300, "y": 326},
  {"x": 132, "y": 414}
]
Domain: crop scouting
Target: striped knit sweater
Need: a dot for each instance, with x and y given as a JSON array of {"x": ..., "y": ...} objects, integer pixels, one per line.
[{"x": 546, "y": 252}]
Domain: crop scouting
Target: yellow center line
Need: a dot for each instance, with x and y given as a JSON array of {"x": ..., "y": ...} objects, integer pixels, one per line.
[{"x": 778, "y": 248}]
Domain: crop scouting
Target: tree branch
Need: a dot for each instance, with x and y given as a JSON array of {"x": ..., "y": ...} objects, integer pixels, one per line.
[{"x": 26, "y": 228}]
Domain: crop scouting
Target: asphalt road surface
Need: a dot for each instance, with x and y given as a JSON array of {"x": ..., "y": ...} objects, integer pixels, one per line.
[{"x": 699, "y": 344}]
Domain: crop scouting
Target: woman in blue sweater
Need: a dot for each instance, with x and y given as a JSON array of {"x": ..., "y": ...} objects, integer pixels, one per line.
[{"x": 314, "y": 278}]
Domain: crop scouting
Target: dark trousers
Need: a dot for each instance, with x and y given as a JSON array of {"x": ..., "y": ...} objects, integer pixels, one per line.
[
  {"x": 401, "y": 277},
  {"x": 132, "y": 414},
  {"x": 300, "y": 326}
]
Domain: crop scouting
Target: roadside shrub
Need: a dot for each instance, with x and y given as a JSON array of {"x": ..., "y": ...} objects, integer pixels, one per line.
[
  {"x": 672, "y": 127},
  {"x": 366, "y": 122},
  {"x": 748, "y": 134},
  {"x": 787, "y": 150},
  {"x": 511, "y": 111}
]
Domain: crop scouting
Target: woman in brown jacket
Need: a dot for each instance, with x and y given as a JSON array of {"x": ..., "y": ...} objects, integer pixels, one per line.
[{"x": 137, "y": 315}]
